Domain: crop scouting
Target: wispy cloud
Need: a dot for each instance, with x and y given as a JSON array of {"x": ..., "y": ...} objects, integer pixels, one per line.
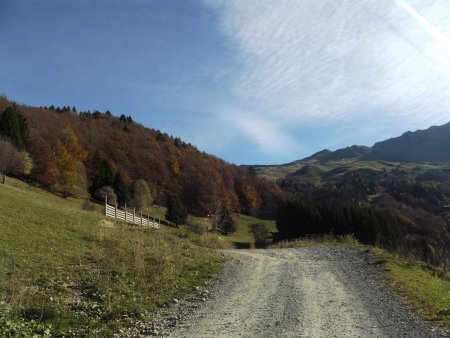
[
  {"x": 326, "y": 61},
  {"x": 267, "y": 135}
]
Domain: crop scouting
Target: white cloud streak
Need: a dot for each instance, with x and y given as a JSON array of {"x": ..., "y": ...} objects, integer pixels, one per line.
[
  {"x": 266, "y": 135},
  {"x": 317, "y": 61}
]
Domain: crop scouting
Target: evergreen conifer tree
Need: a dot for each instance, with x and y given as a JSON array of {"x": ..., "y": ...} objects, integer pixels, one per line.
[
  {"x": 14, "y": 127},
  {"x": 176, "y": 213},
  {"x": 121, "y": 189},
  {"x": 105, "y": 174},
  {"x": 225, "y": 222}
]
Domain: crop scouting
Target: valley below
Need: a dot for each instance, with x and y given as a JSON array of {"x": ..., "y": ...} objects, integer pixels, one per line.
[{"x": 299, "y": 292}]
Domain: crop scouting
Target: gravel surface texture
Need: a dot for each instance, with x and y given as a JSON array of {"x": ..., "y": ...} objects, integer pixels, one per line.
[{"x": 301, "y": 292}]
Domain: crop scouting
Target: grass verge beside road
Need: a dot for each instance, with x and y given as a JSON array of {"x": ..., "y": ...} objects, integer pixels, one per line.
[{"x": 425, "y": 289}]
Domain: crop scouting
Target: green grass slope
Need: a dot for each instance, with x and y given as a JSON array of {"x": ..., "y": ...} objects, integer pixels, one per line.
[{"x": 66, "y": 271}]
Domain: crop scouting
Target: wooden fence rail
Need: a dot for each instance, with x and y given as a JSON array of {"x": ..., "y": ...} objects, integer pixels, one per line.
[{"x": 123, "y": 215}]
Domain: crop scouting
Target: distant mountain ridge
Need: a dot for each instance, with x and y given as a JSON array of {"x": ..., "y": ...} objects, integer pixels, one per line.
[
  {"x": 430, "y": 145},
  {"x": 355, "y": 151}
]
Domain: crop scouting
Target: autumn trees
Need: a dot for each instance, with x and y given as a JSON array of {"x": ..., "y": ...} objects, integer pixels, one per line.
[
  {"x": 76, "y": 154},
  {"x": 71, "y": 157},
  {"x": 13, "y": 162},
  {"x": 142, "y": 197}
]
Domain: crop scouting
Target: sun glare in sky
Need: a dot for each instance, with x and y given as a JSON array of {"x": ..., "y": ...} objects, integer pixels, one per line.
[{"x": 442, "y": 41}]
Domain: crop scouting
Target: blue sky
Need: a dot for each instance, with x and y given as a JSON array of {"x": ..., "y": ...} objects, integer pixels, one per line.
[{"x": 251, "y": 81}]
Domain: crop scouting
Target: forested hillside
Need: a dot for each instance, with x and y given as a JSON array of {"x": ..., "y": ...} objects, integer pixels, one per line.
[
  {"x": 397, "y": 205},
  {"x": 401, "y": 182},
  {"x": 84, "y": 154},
  {"x": 77, "y": 153}
]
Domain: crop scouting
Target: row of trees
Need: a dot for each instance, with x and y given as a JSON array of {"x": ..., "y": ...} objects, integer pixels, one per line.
[{"x": 370, "y": 225}]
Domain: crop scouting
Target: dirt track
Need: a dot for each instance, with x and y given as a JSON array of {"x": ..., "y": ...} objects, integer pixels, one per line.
[{"x": 307, "y": 292}]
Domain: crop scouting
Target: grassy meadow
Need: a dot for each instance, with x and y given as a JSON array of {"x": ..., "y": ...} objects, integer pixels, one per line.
[{"x": 67, "y": 271}]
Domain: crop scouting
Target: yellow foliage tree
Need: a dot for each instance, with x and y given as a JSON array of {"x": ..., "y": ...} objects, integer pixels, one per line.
[{"x": 70, "y": 155}]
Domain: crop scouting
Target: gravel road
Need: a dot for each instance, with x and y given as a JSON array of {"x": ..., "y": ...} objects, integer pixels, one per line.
[{"x": 303, "y": 292}]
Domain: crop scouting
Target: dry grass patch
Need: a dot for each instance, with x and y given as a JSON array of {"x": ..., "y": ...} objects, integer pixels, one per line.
[
  {"x": 106, "y": 223},
  {"x": 214, "y": 241},
  {"x": 318, "y": 240}
]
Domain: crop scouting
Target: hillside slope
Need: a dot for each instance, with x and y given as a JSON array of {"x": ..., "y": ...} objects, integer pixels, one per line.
[
  {"x": 409, "y": 176},
  {"x": 73, "y": 273},
  {"x": 76, "y": 153}
]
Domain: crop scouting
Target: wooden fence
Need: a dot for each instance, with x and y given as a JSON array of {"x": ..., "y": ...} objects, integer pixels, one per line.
[{"x": 124, "y": 215}]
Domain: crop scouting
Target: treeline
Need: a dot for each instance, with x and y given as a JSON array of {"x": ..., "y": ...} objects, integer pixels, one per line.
[
  {"x": 78, "y": 153},
  {"x": 370, "y": 225}
]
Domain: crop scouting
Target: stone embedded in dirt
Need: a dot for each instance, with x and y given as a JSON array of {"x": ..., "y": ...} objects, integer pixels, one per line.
[{"x": 378, "y": 261}]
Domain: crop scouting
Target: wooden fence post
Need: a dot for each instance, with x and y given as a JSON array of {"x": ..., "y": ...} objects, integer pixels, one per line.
[
  {"x": 141, "y": 217},
  {"x": 115, "y": 212},
  {"x": 106, "y": 204},
  {"x": 125, "y": 212},
  {"x": 134, "y": 214}
]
